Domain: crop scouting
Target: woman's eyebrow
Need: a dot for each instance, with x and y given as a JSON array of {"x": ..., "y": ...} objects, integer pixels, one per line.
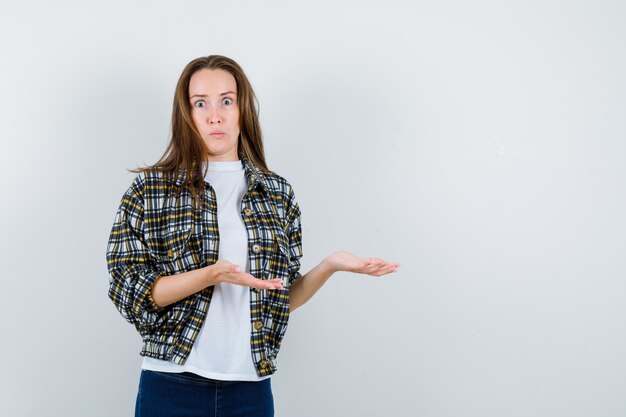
[{"x": 204, "y": 95}]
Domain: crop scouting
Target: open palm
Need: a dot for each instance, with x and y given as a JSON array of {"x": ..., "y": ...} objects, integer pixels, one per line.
[{"x": 345, "y": 261}]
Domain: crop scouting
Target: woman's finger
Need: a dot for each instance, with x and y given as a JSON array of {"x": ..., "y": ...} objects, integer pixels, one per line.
[
  {"x": 382, "y": 268},
  {"x": 275, "y": 283}
]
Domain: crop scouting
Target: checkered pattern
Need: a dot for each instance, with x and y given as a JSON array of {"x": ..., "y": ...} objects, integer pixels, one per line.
[{"x": 157, "y": 234}]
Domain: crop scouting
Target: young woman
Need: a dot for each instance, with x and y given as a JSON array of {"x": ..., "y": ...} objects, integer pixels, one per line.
[{"x": 204, "y": 255}]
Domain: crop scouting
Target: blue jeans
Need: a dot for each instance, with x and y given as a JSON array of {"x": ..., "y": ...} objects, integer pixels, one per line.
[{"x": 165, "y": 394}]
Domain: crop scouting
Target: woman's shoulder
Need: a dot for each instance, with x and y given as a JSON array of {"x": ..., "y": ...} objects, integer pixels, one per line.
[
  {"x": 149, "y": 177},
  {"x": 149, "y": 182},
  {"x": 283, "y": 192},
  {"x": 277, "y": 182}
]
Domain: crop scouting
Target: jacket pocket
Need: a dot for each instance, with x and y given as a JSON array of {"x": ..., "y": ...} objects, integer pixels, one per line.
[
  {"x": 172, "y": 251},
  {"x": 176, "y": 244},
  {"x": 278, "y": 265}
]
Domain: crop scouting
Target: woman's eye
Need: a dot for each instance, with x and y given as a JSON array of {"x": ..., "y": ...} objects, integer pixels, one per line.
[
  {"x": 228, "y": 101},
  {"x": 199, "y": 103}
]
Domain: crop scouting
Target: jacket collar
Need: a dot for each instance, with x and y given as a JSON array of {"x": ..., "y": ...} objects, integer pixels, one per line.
[{"x": 253, "y": 174}]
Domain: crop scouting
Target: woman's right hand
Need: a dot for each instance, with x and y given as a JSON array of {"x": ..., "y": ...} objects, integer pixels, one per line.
[{"x": 225, "y": 271}]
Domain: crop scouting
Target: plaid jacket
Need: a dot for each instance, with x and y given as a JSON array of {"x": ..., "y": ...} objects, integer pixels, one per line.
[{"x": 155, "y": 235}]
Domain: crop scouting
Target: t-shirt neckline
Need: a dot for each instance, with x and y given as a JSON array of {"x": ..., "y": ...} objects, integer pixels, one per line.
[{"x": 225, "y": 165}]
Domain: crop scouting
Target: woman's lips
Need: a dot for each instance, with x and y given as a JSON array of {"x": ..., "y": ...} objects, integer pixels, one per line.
[{"x": 218, "y": 135}]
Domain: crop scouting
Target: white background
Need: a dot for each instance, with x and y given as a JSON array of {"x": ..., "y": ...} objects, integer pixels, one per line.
[{"x": 480, "y": 144}]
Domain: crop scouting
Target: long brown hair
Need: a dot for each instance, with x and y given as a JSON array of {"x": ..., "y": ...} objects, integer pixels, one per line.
[{"x": 186, "y": 147}]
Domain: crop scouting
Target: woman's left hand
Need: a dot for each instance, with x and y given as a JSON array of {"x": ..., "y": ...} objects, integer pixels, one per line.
[{"x": 345, "y": 261}]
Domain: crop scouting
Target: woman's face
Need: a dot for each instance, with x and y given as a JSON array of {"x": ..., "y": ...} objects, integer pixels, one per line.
[{"x": 215, "y": 111}]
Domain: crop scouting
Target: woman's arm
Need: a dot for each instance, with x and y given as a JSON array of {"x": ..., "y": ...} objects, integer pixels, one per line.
[
  {"x": 304, "y": 288},
  {"x": 170, "y": 289}
]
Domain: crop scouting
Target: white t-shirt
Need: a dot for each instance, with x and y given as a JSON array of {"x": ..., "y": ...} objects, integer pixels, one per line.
[{"x": 222, "y": 348}]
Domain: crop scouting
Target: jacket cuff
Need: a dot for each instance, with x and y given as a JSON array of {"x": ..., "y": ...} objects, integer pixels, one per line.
[
  {"x": 150, "y": 305},
  {"x": 294, "y": 276}
]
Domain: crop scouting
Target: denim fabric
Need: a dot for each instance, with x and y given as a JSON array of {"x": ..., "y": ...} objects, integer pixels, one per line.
[{"x": 167, "y": 394}]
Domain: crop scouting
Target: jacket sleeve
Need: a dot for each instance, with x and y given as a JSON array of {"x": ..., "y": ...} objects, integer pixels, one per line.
[
  {"x": 294, "y": 233},
  {"x": 131, "y": 270}
]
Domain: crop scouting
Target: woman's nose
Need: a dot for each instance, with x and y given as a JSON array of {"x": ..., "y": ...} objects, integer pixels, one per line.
[{"x": 214, "y": 116}]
